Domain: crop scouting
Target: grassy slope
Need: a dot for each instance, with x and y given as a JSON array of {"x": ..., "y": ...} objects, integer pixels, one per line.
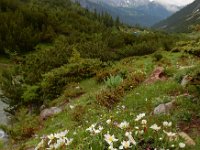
[{"x": 142, "y": 99}]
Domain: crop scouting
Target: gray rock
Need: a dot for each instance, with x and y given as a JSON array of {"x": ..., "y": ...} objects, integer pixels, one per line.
[
  {"x": 46, "y": 113},
  {"x": 164, "y": 108},
  {"x": 186, "y": 79}
]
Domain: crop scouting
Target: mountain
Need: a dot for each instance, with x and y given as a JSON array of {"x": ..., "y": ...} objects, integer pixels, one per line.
[
  {"x": 143, "y": 12},
  {"x": 182, "y": 20}
]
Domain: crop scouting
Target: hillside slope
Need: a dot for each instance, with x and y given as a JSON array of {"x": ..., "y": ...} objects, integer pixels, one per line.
[{"x": 182, "y": 20}]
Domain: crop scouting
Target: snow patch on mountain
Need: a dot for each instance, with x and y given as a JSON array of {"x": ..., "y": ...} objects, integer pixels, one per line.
[{"x": 171, "y": 6}]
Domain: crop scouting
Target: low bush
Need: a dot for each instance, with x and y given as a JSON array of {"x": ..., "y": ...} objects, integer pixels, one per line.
[
  {"x": 53, "y": 82},
  {"x": 78, "y": 113},
  {"x": 105, "y": 73},
  {"x": 24, "y": 125},
  {"x": 157, "y": 56},
  {"x": 109, "y": 98},
  {"x": 133, "y": 80}
]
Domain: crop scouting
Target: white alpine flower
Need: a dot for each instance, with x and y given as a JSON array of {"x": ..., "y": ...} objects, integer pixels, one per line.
[
  {"x": 125, "y": 145},
  {"x": 140, "y": 116},
  {"x": 123, "y": 125},
  {"x": 170, "y": 134},
  {"x": 167, "y": 124},
  {"x": 111, "y": 147},
  {"x": 51, "y": 137},
  {"x": 182, "y": 145},
  {"x": 108, "y": 121},
  {"x": 144, "y": 122},
  {"x": 155, "y": 127},
  {"x": 110, "y": 138},
  {"x": 130, "y": 137}
]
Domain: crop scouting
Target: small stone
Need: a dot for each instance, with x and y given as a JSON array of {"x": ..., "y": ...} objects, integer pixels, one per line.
[
  {"x": 46, "y": 113},
  {"x": 188, "y": 140}
]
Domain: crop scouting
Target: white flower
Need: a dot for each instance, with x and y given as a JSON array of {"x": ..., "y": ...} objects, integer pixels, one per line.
[
  {"x": 100, "y": 128},
  {"x": 51, "y": 137},
  {"x": 71, "y": 106},
  {"x": 108, "y": 121},
  {"x": 60, "y": 142},
  {"x": 172, "y": 145},
  {"x": 144, "y": 122},
  {"x": 167, "y": 124},
  {"x": 140, "y": 116},
  {"x": 110, "y": 138},
  {"x": 170, "y": 134},
  {"x": 61, "y": 134},
  {"x": 123, "y": 107},
  {"x": 125, "y": 144},
  {"x": 111, "y": 147},
  {"x": 137, "y": 128},
  {"x": 123, "y": 125},
  {"x": 97, "y": 131},
  {"x": 155, "y": 127},
  {"x": 141, "y": 132},
  {"x": 182, "y": 145},
  {"x": 92, "y": 129},
  {"x": 130, "y": 137}
]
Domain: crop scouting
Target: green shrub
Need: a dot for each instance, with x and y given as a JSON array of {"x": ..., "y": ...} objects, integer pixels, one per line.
[
  {"x": 109, "y": 98},
  {"x": 30, "y": 94},
  {"x": 53, "y": 82},
  {"x": 113, "y": 81},
  {"x": 78, "y": 113},
  {"x": 24, "y": 125},
  {"x": 103, "y": 74},
  {"x": 157, "y": 56},
  {"x": 133, "y": 80}
]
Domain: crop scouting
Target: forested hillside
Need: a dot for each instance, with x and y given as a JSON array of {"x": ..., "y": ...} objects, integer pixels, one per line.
[
  {"x": 66, "y": 68},
  {"x": 182, "y": 21}
]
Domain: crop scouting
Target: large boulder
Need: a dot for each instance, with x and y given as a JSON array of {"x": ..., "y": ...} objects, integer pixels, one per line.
[{"x": 48, "y": 112}]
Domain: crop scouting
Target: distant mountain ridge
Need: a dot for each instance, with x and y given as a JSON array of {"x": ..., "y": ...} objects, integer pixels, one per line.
[
  {"x": 143, "y": 12},
  {"x": 182, "y": 20}
]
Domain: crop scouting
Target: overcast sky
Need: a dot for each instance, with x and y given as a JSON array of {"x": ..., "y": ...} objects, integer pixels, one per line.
[{"x": 176, "y": 2}]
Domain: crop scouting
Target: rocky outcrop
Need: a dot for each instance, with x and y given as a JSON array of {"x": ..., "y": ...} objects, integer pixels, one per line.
[
  {"x": 157, "y": 75},
  {"x": 48, "y": 112}
]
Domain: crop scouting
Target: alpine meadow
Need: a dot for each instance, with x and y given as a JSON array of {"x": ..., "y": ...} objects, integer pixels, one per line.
[{"x": 99, "y": 75}]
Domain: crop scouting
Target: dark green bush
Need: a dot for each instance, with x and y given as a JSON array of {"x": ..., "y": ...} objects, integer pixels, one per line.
[{"x": 54, "y": 81}]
